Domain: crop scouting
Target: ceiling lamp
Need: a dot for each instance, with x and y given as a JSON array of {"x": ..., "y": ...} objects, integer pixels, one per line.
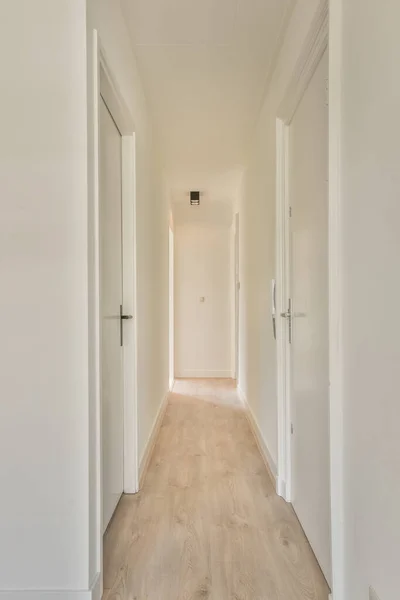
[{"x": 194, "y": 198}]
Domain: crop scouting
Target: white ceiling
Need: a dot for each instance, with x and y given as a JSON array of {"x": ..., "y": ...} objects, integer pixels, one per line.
[{"x": 205, "y": 66}]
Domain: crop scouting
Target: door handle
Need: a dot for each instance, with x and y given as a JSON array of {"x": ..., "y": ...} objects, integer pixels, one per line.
[
  {"x": 289, "y": 316},
  {"x": 273, "y": 310},
  {"x": 122, "y": 318}
]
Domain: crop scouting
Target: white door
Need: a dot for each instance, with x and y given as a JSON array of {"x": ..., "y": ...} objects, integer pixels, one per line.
[
  {"x": 110, "y": 302},
  {"x": 308, "y": 198}
]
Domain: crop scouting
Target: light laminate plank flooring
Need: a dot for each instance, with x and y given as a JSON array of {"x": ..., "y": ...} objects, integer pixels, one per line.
[{"x": 207, "y": 523}]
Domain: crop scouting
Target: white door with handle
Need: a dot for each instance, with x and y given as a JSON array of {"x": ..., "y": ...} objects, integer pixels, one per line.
[
  {"x": 309, "y": 360},
  {"x": 112, "y": 401}
]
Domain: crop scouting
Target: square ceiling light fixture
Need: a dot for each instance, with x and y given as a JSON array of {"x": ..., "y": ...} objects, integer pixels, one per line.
[{"x": 194, "y": 198}]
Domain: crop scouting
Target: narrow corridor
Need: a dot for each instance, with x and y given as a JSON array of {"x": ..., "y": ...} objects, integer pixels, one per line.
[{"x": 207, "y": 522}]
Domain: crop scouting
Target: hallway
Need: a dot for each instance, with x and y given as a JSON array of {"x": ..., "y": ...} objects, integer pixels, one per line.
[{"x": 207, "y": 522}]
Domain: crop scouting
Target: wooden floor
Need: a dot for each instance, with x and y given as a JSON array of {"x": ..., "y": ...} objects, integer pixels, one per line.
[{"x": 207, "y": 523}]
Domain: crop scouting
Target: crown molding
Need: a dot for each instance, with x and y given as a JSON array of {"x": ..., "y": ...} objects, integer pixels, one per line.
[{"x": 309, "y": 58}]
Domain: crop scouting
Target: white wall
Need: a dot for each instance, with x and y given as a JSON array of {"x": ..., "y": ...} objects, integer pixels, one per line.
[
  {"x": 43, "y": 268},
  {"x": 257, "y": 358},
  {"x": 203, "y": 268},
  {"x": 370, "y": 217},
  {"x": 48, "y": 517}
]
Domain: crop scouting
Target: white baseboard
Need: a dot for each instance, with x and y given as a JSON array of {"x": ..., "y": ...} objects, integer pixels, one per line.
[
  {"x": 241, "y": 395},
  {"x": 92, "y": 594},
  {"x": 281, "y": 488},
  {"x": 194, "y": 374},
  {"x": 46, "y": 595},
  {"x": 148, "y": 451},
  {"x": 261, "y": 443},
  {"x": 96, "y": 587}
]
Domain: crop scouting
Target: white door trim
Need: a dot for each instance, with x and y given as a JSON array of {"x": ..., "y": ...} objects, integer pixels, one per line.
[
  {"x": 282, "y": 287},
  {"x": 325, "y": 27},
  {"x": 171, "y": 306},
  {"x": 104, "y": 84},
  {"x": 236, "y": 283}
]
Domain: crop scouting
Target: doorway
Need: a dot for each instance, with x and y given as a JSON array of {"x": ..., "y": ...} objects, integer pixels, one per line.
[{"x": 302, "y": 297}]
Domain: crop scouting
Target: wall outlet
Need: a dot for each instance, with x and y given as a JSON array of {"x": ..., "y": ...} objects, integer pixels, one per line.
[{"x": 372, "y": 594}]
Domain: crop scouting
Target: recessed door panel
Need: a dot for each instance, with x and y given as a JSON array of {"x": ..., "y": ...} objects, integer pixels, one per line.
[{"x": 112, "y": 408}]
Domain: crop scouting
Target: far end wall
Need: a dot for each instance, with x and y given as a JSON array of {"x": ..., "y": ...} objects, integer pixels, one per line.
[{"x": 203, "y": 293}]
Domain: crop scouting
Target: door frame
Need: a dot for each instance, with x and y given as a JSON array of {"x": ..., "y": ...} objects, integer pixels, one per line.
[
  {"x": 104, "y": 85},
  {"x": 236, "y": 283},
  {"x": 325, "y": 31},
  {"x": 171, "y": 307}
]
